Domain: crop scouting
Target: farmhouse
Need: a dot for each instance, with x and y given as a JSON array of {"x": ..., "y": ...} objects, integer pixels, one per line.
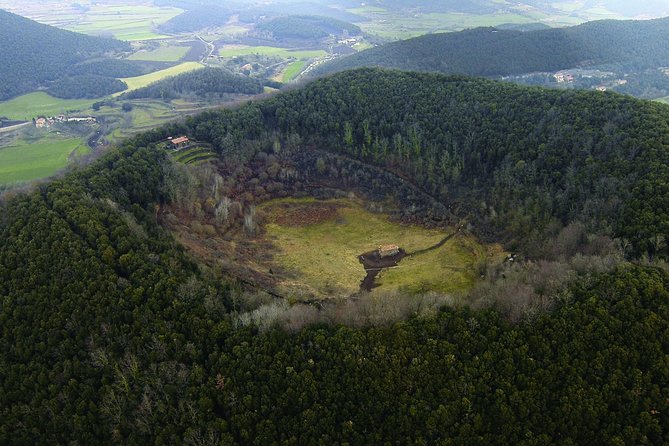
[
  {"x": 388, "y": 250},
  {"x": 180, "y": 142},
  {"x": 40, "y": 123}
]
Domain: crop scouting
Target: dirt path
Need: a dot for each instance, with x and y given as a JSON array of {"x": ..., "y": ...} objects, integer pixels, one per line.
[
  {"x": 14, "y": 127},
  {"x": 438, "y": 245}
]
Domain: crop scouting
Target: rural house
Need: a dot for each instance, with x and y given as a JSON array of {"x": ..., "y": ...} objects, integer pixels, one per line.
[
  {"x": 388, "y": 250},
  {"x": 180, "y": 142},
  {"x": 40, "y": 123}
]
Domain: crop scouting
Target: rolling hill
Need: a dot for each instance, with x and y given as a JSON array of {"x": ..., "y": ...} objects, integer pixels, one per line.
[
  {"x": 306, "y": 27},
  {"x": 111, "y": 333},
  {"x": 207, "y": 82},
  {"x": 495, "y": 52},
  {"x": 34, "y": 53}
]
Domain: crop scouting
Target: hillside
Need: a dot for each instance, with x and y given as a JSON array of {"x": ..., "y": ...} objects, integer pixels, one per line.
[
  {"x": 34, "y": 53},
  {"x": 196, "y": 18},
  {"x": 204, "y": 83},
  {"x": 112, "y": 334},
  {"x": 307, "y": 27},
  {"x": 493, "y": 52},
  {"x": 521, "y": 160}
]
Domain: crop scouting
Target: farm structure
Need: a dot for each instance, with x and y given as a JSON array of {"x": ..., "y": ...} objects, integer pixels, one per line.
[
  {"x": 388, "y": 250},
  {"x": 181, "y": 142}
]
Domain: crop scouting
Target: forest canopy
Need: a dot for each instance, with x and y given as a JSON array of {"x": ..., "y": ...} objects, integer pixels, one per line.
[
  {"x": 630, "y": 44},
  {"x": 110, "y": 333},
  {"x": 34, "y": 53}
]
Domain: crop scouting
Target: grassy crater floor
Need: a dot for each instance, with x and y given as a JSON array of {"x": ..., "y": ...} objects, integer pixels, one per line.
[{"x": 318, "y": 244}]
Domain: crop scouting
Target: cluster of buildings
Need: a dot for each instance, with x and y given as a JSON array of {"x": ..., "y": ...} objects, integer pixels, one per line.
[
  {"x": 46, "y": 122},
  {"x": 562, "y": 78}
]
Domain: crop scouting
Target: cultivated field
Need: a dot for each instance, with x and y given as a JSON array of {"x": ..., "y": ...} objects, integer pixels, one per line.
[
  {"x": 35, "y": 104},
  {"x": 243, "y": 50},
  {"x": 26, "y": 160},
  {"x": 318, "y": 243},
  {"x": 292, "y": 70},
  {"x": 142, "y": 81},
  {"x": 105, "y": 17}
]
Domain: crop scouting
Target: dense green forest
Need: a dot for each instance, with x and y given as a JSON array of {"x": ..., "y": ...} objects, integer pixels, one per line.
[
  {"x": 34, "y": 53},
  {"x": 205, "y": 83},
  {"x": 307, "y": 27},
  {"x": 110, "y": 334},
  {"x": 631, "y": 44},
  {"x": 116, "y": 67},
  {"x": 86, "y": 86}
]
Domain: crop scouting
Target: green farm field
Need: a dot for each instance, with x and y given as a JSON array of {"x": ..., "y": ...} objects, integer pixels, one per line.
[
  {"x": 321, "y": 257},
  {"x": 28, "y": 160},
  {"x": 142, "y": 81},
  {"x": 292, "y": 70},
  {"x": 35, "y": 104},
  {"x": 242, "y": 50},
  {"x": 123, "y": 22}
]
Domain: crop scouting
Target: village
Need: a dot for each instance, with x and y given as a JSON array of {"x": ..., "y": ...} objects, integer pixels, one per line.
[{"x": 46, "y": 122}]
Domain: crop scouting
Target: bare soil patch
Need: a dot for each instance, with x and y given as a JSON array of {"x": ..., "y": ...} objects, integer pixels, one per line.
[{"x": 299, "y": 215}]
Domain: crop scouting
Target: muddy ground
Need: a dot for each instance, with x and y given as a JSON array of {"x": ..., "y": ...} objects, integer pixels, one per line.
[{"x": 374, "y": 263}]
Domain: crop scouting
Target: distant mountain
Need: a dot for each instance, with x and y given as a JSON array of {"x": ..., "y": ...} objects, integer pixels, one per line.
[
  {"x": 495, "y": 52},
  {"x": 307, "y": 27},
  {"x": 34, "y": 53},
  {"x": 197, "y": 18}
]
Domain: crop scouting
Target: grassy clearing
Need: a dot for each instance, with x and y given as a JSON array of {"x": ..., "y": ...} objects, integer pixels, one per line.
[
  {"x": 362, "y": 46},
  {"x": 166, "y": 53},
  {"x": 142, "y": 81},
  {"x": 292, "y": 70},
  {"x": 243, "y": 50},
  {"x": 35, "y": 104},
  {"x": 324, "y": 256},
  {"x": 26, "y": 161}
]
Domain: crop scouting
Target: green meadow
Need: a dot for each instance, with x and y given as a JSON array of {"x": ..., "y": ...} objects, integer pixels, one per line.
[
  {"x": 39, "y": 103},
  {"x": 323, "y": 256},
  {"x": 25, "y": 161}
]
